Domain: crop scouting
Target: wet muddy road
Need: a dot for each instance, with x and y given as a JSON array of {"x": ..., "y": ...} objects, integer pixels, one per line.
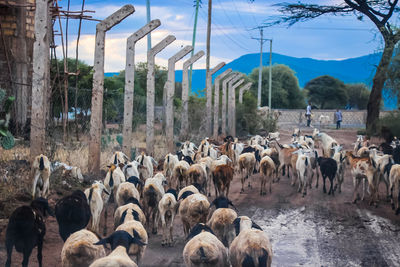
[{"x": 317, "y": 230}]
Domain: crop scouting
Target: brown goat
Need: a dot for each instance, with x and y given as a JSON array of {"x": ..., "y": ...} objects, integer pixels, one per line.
[{"x": 222, "y": 177}]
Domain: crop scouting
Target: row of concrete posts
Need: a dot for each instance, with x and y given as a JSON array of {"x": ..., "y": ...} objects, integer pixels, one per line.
[{"x": 230, "y": 81}]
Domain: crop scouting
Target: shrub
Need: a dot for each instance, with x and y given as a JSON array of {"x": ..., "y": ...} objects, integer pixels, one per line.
[
  {"x": 248, "y": 120},
  {"x": 392, "y": 122}
]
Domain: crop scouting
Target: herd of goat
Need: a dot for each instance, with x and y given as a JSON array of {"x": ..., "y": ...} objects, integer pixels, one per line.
[{"x": 215, "y": 237}]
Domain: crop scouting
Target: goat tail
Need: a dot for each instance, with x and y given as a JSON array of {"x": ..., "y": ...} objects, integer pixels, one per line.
[
  {"x": 41, "y": 164},
  {"x": 151, "y": 195},
  {"x": 204, "y": 256},
  {"x": 251, "y": 258}
]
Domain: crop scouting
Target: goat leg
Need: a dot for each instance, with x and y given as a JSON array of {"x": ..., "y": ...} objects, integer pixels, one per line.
[{"x": 9, "y": 246}]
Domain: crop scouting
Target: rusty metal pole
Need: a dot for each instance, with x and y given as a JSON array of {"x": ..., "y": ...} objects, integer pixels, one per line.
[
  {"x": 130, "y": 82},
  {"x": 40, "y": 78},
  {"x": 216, "y": 100},
  {"x": 151, "y": 91},
  {"x": 246, "y": 87},
  {"x": 209, "y": 97},
  {"x": 170, "y": 89},
  {"x": 224, "y": 95},
  {"x": 98, "y": 85},
  {"x": 185, "y": 93}
]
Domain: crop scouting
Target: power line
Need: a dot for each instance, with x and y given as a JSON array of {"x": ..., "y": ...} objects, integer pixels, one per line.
[
  {"x": 226, "y": 35},
  {"x": 240, "y": 17},
  {"x": 223, "y": 9}
]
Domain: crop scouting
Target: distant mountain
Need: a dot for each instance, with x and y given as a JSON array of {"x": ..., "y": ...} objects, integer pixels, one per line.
[{"x": 353, "y": 70}]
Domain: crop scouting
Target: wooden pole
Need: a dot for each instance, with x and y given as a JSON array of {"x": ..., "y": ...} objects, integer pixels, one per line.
[
  {"x": 151, "y": 91},
  {"x": 185, "y": 93},
  {"x": 130, "y": 82},
  {"x": 40, "y": 78},
  {"x": 98, "y": 86},
  {"x": 216, "y": 100},
  {"x": 170, "y": 92},
  {"x": 246, "y": 87},
  {"x": 209, "y": 97},
  {"x": 223, "y": 109}
]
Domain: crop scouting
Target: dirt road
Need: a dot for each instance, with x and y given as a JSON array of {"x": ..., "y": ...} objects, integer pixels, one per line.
[{"x": 317, "y": 230}]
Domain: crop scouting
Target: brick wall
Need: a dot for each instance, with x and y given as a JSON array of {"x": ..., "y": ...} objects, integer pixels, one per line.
[{"x": 16, "y": 49}]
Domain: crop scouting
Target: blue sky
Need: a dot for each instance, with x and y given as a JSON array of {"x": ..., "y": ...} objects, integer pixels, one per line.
[{"x": 322, "y": 38}]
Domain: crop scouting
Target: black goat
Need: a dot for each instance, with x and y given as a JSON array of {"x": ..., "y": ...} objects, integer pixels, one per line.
[
  {"x": 396, "y": 154},
  {"x": 328, "y": 168},
  {"x": 72, "y": 214},
  {"x": 26, "y": 230}
]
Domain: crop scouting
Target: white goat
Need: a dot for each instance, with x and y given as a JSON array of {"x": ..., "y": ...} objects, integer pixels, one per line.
[
  {"x": 327, "y": 144},
  {"x": 146, "y": 166},
  {"x": 167, "y": 208},
  {"x": 251, "y": 246},
  {"x": 152, "y": 193},
  {"x": 125, "y": 191},
  {"x": 94, "y": 195},
  {"x": 129, "y": 212},
  {"x": 41, "y": 171},
  {"x": 304, "y": 170},
  {"x": 204, "y": 249},
  {"x": 80, "y": 249},
  {"x": 247, "y": 162},
  {"x": 169, "y": 163}
]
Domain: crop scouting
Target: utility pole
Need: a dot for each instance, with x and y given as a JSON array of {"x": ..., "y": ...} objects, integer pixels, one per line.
[
  {"x": 270, "y": 76},
  {"x": 208, "y": 37},
  {"x": 260, "y": 69},
  {"x": 148, "y": 21},
  {"x": 193, "y": 42},
  {"x": 262, "y": 40}
]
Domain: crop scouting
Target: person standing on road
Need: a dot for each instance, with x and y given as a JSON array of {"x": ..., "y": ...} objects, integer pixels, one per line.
[
  {"x": 308, "y": 114},
  {"x": 338, "y": 117}
]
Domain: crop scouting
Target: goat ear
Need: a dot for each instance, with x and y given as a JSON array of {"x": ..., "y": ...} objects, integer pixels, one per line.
[
  {"x": 103, "y": 242},
  {"x": 254, "y": 225},
  {"x": 137, "y": 241},
  {"x": 212, "y": 204}
]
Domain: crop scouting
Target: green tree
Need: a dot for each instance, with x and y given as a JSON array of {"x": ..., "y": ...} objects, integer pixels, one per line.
[
  {"x": 383, "y": 14},
  {"x": 393, "y": 82},
  {"x": 285, "y": 87},
  {"x": 358, "y": 95},
  {"x": 326, "y": 92}
]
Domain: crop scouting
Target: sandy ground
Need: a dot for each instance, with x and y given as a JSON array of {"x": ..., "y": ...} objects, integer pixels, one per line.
[{"x": 317, "y": 230}]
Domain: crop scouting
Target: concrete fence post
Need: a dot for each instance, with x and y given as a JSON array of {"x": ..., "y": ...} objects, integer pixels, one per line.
[
  {"x": 216, "y": 100},
  {"x": 130, "y": 82},
  {"x": 185, "y": 93},
  {"x": 224, "y": 101},
  {"x": 232, "y": 111},
  {"x": 98, "y": 85},
  {"x": 151, "y": 91},
  {"x": 170, "y": 92},
  {"x": 246, "y": 87},
  {"x": 209, "y": 97},
  {"x": 231, "y": 104}
]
